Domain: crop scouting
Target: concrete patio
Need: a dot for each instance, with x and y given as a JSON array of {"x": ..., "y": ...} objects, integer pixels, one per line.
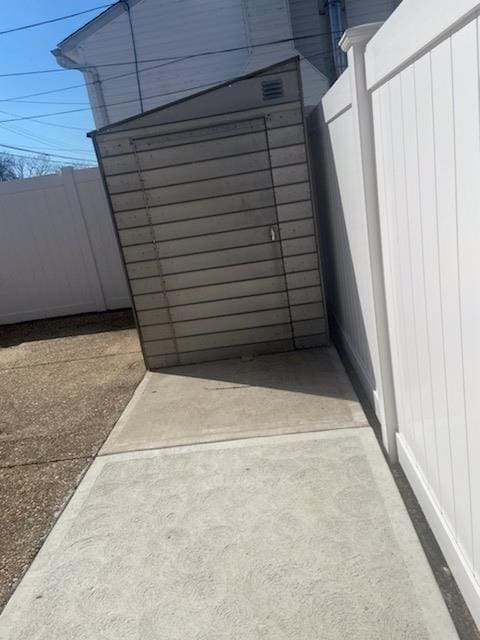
[
  {"x": 190, "y": 525},
  {"x": 289, "y": 392}
]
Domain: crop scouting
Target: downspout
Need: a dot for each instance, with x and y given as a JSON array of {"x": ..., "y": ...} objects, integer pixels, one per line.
[
  {"x": 335, "y": 18},
  {"x": 94, "y": 85}
]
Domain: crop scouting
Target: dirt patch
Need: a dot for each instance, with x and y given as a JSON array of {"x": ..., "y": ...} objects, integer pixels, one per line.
[{"x": 63, "y": 384}]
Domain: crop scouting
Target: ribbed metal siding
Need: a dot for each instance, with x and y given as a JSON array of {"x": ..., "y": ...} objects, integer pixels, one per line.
[{"x": 216, "y": 228}]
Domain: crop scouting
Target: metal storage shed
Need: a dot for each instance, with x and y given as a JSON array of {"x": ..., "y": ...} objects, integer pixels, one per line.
[{"x": 211, "y": 198}]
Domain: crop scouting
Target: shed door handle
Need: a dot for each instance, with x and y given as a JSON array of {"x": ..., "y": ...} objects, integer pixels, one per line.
[{"x": 273, "y": 234}]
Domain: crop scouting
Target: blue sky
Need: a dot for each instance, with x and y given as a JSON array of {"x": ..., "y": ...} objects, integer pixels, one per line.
[{"x": 30, "y": 50}]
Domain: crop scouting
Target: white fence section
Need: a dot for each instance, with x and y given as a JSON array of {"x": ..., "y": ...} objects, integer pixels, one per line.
[
  {"x": 419, "y": 87},
  {"x": 341, "y": 141},
  {"x": 58, "y": 251}
]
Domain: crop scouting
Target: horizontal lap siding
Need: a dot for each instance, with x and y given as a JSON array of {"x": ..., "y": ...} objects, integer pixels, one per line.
[
  {"x": 228, "y": 306},
  {"x": 189, "y": 172},
  {"x": 196, "y": 209},
  {"x": 218, "y": 353},
  {"x": 214, "y": 292},
  {"x": 305, "y": 264},
  {"x": 117, "y": 144},
  {"x": 206, "y": 277},
  {"x": 192, "y": 191},
  {"x": 253, "y": 335},
  {"x": 203, "y": 226}
]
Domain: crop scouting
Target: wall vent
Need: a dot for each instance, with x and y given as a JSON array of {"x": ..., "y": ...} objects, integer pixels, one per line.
[{"x": 272, "y": 89}]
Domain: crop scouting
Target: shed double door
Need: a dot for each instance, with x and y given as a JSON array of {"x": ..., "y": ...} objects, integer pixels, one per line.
[{"x": 212, "y": 218}]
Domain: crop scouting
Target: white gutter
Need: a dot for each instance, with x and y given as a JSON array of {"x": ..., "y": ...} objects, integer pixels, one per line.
[{"x": 93, "y": 85}]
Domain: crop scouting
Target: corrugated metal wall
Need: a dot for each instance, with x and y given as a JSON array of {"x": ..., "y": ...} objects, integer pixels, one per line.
[{"x": 212, "y": 202}]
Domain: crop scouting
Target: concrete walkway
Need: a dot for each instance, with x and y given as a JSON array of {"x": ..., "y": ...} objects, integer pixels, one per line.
[
  {"x": 283, "y": 393},
  {"x": 271, "y": 538}
]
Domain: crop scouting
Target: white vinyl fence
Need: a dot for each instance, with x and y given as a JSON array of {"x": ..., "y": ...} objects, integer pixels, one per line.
[
  {"x": 58, "y": 251},
  {"x": 412, "y": 163},
  {"x": 342, "y": 144}
]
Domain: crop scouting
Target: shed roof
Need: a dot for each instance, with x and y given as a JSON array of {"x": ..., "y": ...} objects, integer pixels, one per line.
[{"x": 192, "y": 96}]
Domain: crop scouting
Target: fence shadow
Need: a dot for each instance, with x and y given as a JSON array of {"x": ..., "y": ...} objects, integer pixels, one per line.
[{"x": 83, "y": 324}]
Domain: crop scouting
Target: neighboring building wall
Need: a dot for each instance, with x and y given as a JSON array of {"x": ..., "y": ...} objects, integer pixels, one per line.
[
  {"x": 162, "y": 29},
  {"x": 365, "y": 11},
  {"x": 310, "y": 28},
  {"x": 269, "y": 21},
  {"x": 58, "y": 251},
  {"x": 165, "y": 29}
]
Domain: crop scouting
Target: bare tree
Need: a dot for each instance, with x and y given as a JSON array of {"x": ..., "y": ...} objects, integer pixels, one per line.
[
  {"x": 7, "y": 167},
  {"x": 34, "y": 166},
  {"x": 18, "y": 167}
]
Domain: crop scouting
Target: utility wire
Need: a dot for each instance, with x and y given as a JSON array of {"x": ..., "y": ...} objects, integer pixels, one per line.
[
  {"x": 171, "y": 59},
  {"x": 43, "y": 153},
  {"x": 44, "y": 93},
  {"x": 115, "y": 104},
  {"x": 86, "y": 84},
  {"x": 48, "y": 124},
  {"x": 71, "y": 102},
  {"x": 51, "y": 144},
  {"x": 39, "y": 24},
  {"x": 57, "y": 163}
]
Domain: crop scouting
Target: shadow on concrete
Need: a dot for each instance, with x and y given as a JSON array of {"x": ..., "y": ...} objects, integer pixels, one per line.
[
  {"x": 12, "y": 335},
  {"x": 317, "y": 371}
]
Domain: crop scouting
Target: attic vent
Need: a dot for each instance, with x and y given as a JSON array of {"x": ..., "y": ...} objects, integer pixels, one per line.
[{"x": 272, "y": 89}]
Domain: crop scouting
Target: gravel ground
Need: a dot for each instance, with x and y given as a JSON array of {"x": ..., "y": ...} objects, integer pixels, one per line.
[{"x": 63, "y": 384}]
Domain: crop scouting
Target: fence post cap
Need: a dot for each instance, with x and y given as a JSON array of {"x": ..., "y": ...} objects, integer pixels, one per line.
[{"x": 358, "y": 35}]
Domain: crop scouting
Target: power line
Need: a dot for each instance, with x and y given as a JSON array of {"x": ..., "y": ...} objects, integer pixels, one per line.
[
  {"x": 48, "y": 124},
  {"x": 44, "y": 93},
  {"x": 48, "y": 101},
  {"x": 86, "y": 84},
  {"x": 122, "y": 102},
  {"x": 56, "y": 163},
  {"x": 52, "y": 144},
  {"x": 39, "y": 24},
  {"x": 59, "y": 126},
  {"x": 170, "y": 59},
  {"x": 43, "y": 153}
]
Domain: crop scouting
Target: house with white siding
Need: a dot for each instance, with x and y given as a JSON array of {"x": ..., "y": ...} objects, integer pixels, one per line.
[{"x": 141, "y": 54}]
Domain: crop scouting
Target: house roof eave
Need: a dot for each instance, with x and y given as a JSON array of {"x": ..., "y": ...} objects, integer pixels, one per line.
[{"x": 112, "y": 12}]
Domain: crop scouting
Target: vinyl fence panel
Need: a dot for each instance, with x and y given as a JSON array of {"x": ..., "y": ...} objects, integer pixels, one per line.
[
  {"x": 58, "y": 251},
  {"x": 418, "y": 81}
]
